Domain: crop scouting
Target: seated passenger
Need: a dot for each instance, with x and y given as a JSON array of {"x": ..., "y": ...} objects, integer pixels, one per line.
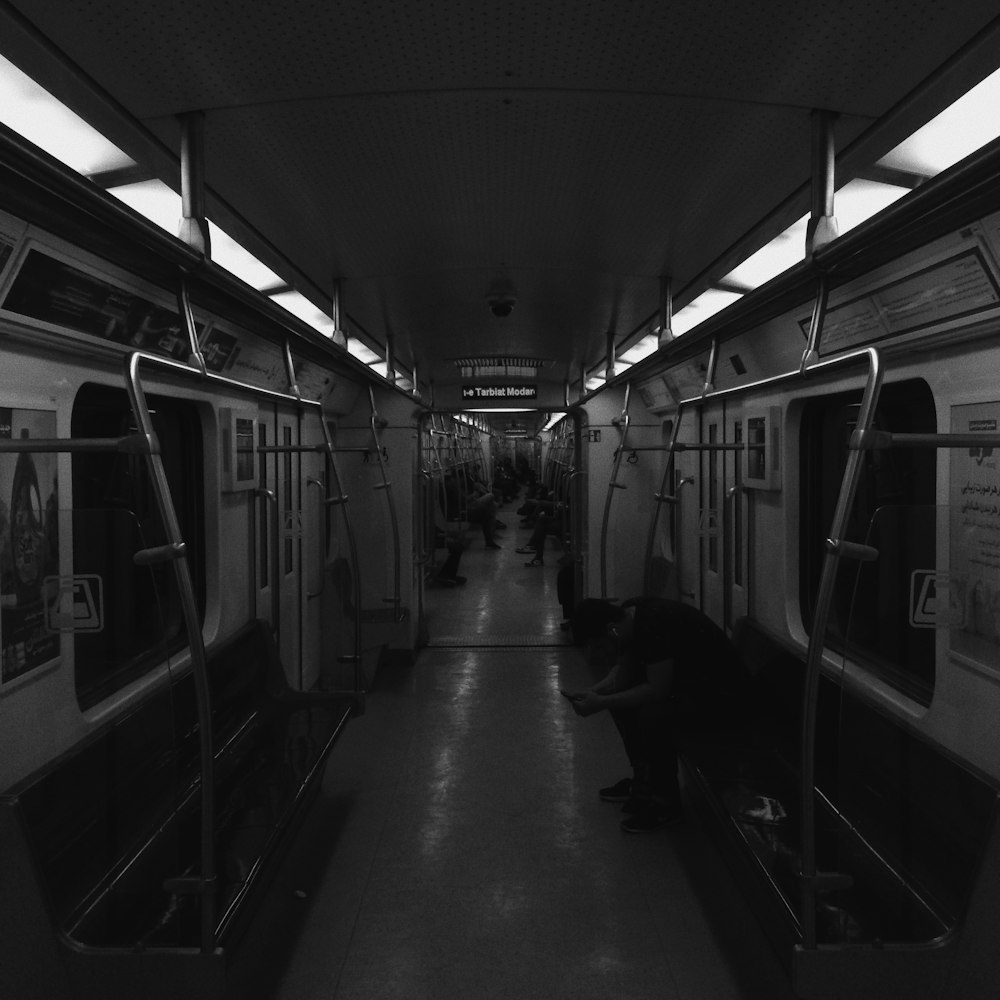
[
  {"x": 545, "y": 524},
  {"x": 675, "y": 674}
]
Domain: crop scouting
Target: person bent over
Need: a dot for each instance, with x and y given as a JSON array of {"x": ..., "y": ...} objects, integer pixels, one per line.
[{"x": 674, "y": 673}]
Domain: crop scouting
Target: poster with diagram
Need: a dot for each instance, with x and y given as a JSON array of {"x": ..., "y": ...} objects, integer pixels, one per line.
[
  {"x": 974, "y": 572},
  {"x": 29, "y": 544}
]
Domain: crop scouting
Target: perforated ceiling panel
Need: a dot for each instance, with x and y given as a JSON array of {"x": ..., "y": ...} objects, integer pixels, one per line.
[{"x": 418, "y": 150}]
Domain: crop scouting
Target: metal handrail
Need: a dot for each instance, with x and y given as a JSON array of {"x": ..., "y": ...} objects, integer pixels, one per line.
[
  {"x": 810, "y": 881},
  {"x": 393, "y": 520},
  {"x": 613, "y": 484},
  {"x": 339, "y": 498},
  {"x": 204, "y": 883}
]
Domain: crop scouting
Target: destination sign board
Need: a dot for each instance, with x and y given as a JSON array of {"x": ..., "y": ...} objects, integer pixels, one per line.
[{"x": 497, "y": 393}]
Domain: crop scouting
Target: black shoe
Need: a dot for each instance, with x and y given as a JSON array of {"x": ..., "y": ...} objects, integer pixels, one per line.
[
  {"x": 620, "y": 791},
  {"x": 652, "y": 818}
]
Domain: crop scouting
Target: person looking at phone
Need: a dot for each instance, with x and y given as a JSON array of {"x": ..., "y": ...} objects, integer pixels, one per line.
[{"x": 674, "y": 672}]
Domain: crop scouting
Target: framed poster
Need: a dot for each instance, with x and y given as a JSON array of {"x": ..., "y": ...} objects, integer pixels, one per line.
[
  {"x": 29, "y": 545},
  {"x": 974, "y": 573}
]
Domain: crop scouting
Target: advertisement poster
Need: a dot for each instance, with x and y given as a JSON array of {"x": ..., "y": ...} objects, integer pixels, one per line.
[
  {"x": 55, "y": 292},
  {"x": 29, "y": 545},
  {"x": 974, "y": 577}
]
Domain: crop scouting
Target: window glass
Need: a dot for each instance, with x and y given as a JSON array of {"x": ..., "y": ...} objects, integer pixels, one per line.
[
  {"x": 896, "y": 491},
  {"x": 115, "y": 514}
]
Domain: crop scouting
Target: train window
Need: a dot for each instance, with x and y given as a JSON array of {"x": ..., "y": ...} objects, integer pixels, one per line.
[
  {"x": 115, "y": 513},
  {"x": 893, "y": 511}
]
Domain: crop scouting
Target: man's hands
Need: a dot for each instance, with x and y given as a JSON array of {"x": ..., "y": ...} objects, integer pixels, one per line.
[{"x": 584, "y": 702}]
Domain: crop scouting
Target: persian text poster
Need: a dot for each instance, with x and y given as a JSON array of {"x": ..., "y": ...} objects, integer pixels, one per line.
[
  {"x": 974, "y": 573},
  {"x": 29, "y": 544}
]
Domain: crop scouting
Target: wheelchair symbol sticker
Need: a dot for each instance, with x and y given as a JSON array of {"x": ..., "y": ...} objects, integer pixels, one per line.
[
  {"x": 709, "y": 523},
  {"x": 931, "y": 601},
  {"x": 76, "y": 604}
]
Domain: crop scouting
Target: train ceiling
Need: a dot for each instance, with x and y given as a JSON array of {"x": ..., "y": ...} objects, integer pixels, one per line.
[{"x": 426, "y": 153}]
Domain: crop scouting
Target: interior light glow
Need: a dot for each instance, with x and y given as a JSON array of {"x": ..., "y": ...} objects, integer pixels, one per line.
[
  {"x": 227, "y": 253},
  {"x": 154, "y": 201},
  {"x": 641, "y": 349},
  {"x": 959, "y": 130},
  {"x": 358, "y": 350},
  {"x": 702, "y": 308},
  {"x": 859, "y": 200},
  {"x": 298, "y": 305},
  {"x": 772, "y": 259},
  {"x": 35, "y": 114}
]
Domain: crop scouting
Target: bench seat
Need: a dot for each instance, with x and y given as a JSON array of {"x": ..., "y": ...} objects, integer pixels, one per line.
[
  {"x": 907, "y": 823},
  {"x": 113, "y": 821}
]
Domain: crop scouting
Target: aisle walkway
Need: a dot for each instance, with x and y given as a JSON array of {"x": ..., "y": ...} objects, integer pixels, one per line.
[{"x": 460, "y": 848}]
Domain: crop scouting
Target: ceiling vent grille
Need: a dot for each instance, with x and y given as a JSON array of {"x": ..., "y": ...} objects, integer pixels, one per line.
[{"x": 500, "y": 367}]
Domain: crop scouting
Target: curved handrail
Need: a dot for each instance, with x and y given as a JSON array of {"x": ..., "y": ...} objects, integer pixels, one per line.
[
  {"x": 661, "y": 497},
  {"x": 204, "y": 883},
  {"x": 393, "y": 520},
  {"x": 814, "y": 654},
  {"x": 613, "y": 484},
  {"x": 340, "y": 499}
]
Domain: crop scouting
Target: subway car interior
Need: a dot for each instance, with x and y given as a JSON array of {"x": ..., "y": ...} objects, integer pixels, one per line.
[{"x": 362, "y": 363}]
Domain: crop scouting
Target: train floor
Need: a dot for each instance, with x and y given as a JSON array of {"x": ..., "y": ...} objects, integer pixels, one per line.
[{"x": 459, "y": 848}]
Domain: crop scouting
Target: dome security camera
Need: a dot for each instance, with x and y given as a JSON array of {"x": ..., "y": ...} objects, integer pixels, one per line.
[
  {"x": 501, "y": 298},
  {"x": 501, "y": 305}
]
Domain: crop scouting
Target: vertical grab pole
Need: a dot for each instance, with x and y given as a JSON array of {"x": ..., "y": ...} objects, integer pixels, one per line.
[
  {"x": 814, "y": 656},
  {"x": 271, "y": 505},
  {"x": 613, "y": 484},
  {"x": 661, "y": 497},
  {"x": 340, "y": 499},
  {"x": 204, "y": 884},
  {"x": 386, "y": 485}
]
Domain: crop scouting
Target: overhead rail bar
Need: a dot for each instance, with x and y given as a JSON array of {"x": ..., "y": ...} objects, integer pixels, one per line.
[{"x": 613, "y": 484}]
